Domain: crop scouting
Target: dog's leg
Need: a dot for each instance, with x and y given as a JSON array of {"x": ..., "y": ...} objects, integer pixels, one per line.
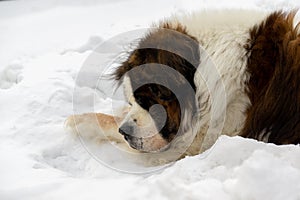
[{"x": 95, "y": 126}]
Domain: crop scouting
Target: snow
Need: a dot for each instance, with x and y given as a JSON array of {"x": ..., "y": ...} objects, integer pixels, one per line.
[{"x": 44, "y": 45}]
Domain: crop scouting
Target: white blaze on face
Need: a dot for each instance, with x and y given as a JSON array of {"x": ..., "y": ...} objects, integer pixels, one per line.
[
  {"x": 142, "y": 120},
  {"x": 145, "y": 133},
  {"x": 137, "y": 116}
]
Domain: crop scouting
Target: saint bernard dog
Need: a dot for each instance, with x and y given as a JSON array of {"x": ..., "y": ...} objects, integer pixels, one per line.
[{"x": 208, "y": 74}]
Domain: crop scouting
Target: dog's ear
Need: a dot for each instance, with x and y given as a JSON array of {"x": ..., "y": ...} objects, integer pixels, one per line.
[
  {"x": 135, "y": 58},
  {"x": 121, "y": 70}
]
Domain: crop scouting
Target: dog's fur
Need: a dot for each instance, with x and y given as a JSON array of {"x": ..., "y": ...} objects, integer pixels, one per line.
[{"x": 243, "y": 80}]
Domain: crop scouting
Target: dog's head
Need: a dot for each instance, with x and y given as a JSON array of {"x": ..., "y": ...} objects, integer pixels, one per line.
[{"x": 158, "y": 80}]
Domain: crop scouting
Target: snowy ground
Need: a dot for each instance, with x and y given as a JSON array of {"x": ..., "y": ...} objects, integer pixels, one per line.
[{"x": 43, "y": 46}]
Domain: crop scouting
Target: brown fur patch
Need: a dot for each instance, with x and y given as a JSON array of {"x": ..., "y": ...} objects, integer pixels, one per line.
[
  {"x": 274, "y": 85},
  {"x": 168, "y": 45}
]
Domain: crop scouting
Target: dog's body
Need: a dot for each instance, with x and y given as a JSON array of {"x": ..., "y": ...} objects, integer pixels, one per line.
[
  {"x": 243, "y": 79},
  {"x": 253, "y": 89}
]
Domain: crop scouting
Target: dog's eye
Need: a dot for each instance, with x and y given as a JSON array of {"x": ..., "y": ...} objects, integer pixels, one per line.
[
  {"x": 144, "y": 102},
  {"x": 139, "y": 100},
  {"x": 130, "y": 103}
]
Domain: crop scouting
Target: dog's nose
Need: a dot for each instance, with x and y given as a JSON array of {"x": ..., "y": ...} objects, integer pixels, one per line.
[{"x": 126, "y": 129}]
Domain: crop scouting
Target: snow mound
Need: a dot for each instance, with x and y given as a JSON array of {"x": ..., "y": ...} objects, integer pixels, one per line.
[
  {"x": 10, "y": 76},
  {"x": 234, "y": 168}
]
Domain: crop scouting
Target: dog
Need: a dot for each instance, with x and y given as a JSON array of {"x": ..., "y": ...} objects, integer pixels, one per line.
[{"x": 194, "y": 77}]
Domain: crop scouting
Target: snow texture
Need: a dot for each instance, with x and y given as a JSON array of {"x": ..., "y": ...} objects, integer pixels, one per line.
[{"x": 43, "y": 47}]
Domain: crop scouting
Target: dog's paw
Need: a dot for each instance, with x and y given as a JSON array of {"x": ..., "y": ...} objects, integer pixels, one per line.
[{"x": 95, "y": 126}]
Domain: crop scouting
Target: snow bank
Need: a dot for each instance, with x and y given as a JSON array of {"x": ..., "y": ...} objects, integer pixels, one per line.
[{"x": 43, "y": 47}]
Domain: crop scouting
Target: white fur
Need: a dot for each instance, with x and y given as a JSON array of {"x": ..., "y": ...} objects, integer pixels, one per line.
[{"x": 220, "y": 82}]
